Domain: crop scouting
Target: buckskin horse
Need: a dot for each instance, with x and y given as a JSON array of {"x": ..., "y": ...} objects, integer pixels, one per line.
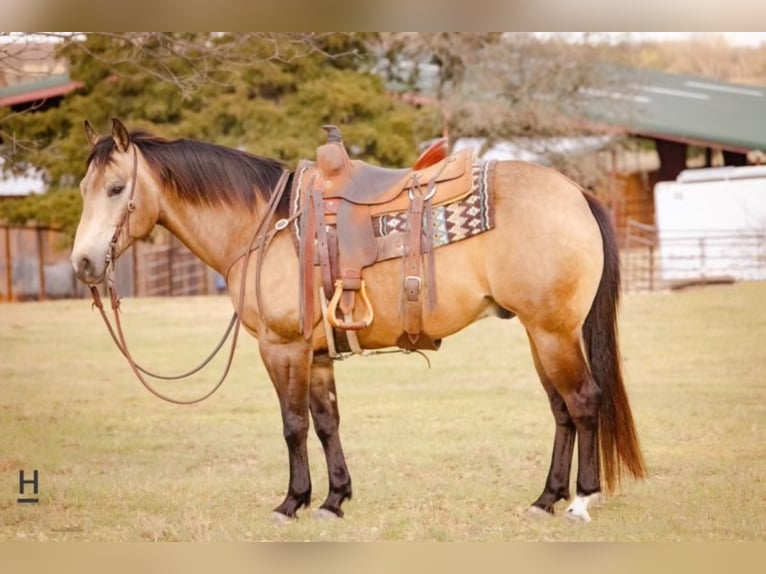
[{"x": 549, "y": 258}]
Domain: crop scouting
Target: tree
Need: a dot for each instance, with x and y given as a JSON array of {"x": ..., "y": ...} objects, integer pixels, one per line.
[
  {"x": 516, "y": 86},
  {"x": 265, "y": 92}
]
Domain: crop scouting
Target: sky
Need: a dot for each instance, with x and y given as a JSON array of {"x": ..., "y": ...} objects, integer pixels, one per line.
[{"x": 734, "y": 38}]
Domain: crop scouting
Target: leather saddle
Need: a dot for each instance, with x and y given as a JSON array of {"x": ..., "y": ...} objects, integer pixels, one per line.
[
  {"x": 387, "y": 190},
  {"x": 339, "y": 205}
]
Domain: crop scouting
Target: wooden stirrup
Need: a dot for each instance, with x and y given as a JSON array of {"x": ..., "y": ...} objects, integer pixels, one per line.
[{"x": 343, "y": 325}]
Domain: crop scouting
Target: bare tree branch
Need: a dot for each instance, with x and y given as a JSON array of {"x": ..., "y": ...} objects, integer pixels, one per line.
[{"x": 185, "y": 61}]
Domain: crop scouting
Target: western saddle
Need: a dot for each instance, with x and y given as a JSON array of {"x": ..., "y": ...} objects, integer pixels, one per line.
[{"x": 339, "y": 204}]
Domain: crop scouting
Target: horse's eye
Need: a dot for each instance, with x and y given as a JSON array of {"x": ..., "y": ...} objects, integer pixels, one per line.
[{"x": 115, "y": 190}]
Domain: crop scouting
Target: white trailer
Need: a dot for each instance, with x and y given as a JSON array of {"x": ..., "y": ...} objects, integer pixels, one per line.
[{"x": 711, "y": 224}]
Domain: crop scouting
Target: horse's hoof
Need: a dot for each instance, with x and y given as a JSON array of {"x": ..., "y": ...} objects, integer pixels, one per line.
[
  {"x": 324, "y": 514},
  {"x": 578, "y": 510},
  {"x": 279, "y": 518},
  {"x": 537, "y": 512},
  {"x": 577, "y": 515}
]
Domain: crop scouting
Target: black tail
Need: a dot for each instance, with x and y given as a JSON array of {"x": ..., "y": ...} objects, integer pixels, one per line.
[{"x": 620, "y": 449}]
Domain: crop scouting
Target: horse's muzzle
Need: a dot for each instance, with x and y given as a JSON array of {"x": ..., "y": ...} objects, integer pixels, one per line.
[{"x": 87, "y": 271}]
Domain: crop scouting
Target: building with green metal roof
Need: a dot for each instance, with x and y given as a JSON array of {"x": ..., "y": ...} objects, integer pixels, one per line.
[{"x": 680, "y": 110}]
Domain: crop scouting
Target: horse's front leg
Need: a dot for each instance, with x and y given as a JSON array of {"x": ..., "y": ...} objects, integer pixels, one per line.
[
  {"x": 324, "y": 412},
  {"x": 289, "y": 366}
]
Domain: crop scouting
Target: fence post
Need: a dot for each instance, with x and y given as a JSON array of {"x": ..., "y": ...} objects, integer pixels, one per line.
[
  {"x": 8, "y": 263},
  {"x": 40, "y": 265},
  {"x": 134, "y": 269},
  {"x": 205, "y": 279},
  {"x": 170, "y": 267}
]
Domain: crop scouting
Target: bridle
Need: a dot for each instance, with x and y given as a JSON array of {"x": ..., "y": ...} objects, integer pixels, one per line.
[{"x": 263, "y": 239}]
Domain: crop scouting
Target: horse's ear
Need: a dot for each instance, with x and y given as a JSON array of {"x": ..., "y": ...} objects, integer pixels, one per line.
[
  {"x": 120, "y": 135},
  {"x": 90, "y": 134}
]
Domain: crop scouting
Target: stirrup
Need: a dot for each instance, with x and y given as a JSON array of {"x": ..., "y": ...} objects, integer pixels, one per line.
[{"x": 332, "y": 307}]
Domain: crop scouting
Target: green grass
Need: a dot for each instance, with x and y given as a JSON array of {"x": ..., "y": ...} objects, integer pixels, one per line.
[{"x": 456, "y": 452}]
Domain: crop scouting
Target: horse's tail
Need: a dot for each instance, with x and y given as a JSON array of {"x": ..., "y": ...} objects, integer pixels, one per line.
[{"x": 618, "y": 442}]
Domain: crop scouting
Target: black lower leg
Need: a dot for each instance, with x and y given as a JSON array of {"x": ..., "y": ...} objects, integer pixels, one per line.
[
  {"x": 585, "y": 409},
  {"x": 299, "y": 487},
  {"x": 326, "y": 417},
  {"x": 557, "y": 483}
]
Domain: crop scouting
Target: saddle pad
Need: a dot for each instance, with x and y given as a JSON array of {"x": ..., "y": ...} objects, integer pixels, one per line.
[{"x": 466, "y": 217}]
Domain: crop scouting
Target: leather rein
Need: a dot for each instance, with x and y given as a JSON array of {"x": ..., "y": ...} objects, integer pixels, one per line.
[{"x": 260, "y": 241}]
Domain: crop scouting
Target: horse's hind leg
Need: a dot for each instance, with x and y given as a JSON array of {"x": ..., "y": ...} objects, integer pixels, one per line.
[
  {"x": 575, "y": 402},
  {"x": 288, "y": 365},
  {"x": 324, "y": 412},
  {"x": 557, "y": 483}
]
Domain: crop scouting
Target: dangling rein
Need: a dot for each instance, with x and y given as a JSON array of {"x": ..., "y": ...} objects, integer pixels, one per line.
[{"x": 116, "y": 332}]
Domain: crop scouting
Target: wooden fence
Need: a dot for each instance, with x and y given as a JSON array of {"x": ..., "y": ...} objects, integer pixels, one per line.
[{"x": 34, "y": 265}]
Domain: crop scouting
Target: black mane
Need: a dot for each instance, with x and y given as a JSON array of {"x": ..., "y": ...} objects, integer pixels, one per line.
[{"x": 199, "y": 172}]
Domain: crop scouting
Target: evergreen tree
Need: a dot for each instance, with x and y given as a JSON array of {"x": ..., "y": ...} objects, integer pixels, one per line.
[{"x": 269, "y": 94}]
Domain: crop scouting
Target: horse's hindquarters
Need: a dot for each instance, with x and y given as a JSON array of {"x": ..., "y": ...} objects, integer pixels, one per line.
[
  {"x": 541, "y": 261},
  {"x": 545, "y": 257}
]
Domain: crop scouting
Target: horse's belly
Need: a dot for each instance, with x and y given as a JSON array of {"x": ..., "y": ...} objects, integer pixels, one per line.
[{"x": 461, "y": 296}]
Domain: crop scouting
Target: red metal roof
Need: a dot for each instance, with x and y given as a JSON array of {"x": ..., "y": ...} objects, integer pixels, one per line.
[{"x": 40, "y": 94}]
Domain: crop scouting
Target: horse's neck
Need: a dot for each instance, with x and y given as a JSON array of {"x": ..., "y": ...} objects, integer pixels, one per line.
[{"x": 217, "y": 235}]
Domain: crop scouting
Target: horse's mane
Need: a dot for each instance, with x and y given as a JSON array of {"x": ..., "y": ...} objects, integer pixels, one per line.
[{"x": 199, "y": 172}]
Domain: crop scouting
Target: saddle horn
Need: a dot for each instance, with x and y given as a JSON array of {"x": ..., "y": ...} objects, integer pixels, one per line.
[{"x": 333, "y": 133}]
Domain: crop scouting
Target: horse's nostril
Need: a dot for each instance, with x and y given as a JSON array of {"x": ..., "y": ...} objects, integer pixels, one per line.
[{"x": 84, "y": 268}]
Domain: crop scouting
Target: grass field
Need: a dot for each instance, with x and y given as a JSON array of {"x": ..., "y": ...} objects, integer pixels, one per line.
[{"x": 453, "y": 453}]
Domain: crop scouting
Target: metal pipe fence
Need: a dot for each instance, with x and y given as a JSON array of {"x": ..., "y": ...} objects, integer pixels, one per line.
[{"x": 674, "y": 259}]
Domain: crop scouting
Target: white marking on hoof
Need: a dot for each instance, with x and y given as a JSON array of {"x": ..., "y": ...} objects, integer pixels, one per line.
[
  {"x": 324, "y": 514},
  {"x": 578, "y": 510},
  {"x": 279, "y": 518},
  {"x": 537, "y": 512}
]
